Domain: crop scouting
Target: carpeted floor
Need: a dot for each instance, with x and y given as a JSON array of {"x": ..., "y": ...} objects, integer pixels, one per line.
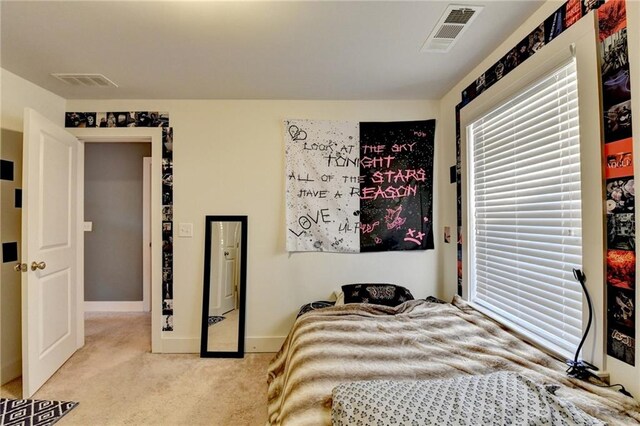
[{"x": 117, "y": 381}]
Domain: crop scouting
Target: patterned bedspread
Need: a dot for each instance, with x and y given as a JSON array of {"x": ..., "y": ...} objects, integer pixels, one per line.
[
  {"x": 417, "y": 340},
  {"x": 502, "y": 398}
]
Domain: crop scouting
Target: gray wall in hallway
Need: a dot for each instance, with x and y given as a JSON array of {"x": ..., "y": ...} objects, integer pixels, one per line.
[{"x": 113, "y": 202}]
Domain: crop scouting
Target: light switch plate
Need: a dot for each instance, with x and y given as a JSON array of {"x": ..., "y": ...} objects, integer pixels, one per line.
[
  {"x": 185, "y": 230},
  {"x": 88, "y": 226}
]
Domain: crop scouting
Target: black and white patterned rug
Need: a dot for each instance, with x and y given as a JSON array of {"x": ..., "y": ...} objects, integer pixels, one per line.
[
  {"x": 31, "y": 412},
  {"x": 215, "y": 320}
]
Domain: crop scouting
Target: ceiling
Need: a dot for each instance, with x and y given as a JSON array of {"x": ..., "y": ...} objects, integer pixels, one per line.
[{"x": 247, "y": 50}]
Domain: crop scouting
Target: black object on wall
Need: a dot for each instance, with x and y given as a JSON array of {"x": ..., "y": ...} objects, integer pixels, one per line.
[
  {"x": 9, "y": 252},
  {"x": 6, "y": 170}
]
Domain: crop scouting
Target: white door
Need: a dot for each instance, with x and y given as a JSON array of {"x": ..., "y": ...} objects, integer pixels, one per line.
[
  {"x": 50, "y": 249},
  {"x": 228, "y": 270}
]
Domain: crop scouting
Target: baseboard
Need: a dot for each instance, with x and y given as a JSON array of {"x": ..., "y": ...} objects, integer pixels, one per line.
[
  {"x": 263, "y": 344},
  {"x": 114, "y": 306},
  {"x": 180, "y": 345},
  {"x": 10, "y": 371},
  {"x": 189, "y": 345}
]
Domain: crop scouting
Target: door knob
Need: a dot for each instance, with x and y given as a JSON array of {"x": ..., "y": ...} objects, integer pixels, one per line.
[
  {"x": 36, "y": 265},
  {"x": 20, "y": 267}
]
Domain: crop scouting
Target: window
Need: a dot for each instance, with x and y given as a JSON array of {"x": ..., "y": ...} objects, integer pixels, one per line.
[{"x": 525, "y": 211}]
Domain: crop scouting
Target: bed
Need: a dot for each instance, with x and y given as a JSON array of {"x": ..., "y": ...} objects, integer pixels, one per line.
[{"x": 413, "y": 342}]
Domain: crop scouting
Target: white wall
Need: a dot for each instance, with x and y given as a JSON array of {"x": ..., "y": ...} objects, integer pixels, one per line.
[
  {"x": 446, "y": 156},
  {"x": 17, "y": 93},
  {"x": 229, "y": 159}
]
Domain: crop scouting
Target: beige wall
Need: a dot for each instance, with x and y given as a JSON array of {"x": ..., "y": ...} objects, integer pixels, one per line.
[
  {"x": 446, "y": 156},
  {"x": 229, "y": 159}
]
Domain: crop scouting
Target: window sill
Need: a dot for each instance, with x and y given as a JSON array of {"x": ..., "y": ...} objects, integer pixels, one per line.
[{"x": 524, "y": 334}]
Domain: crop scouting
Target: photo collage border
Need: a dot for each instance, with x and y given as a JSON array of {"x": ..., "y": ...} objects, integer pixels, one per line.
[{"x": 146, "y": 119}]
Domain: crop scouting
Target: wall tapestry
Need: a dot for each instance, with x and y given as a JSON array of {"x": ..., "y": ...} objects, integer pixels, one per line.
[
  {"x": 359, "y": 187},
  {"x": 322, "y": 186},
  {"x": 618, "y": 154},
  {"x": 146, "y": 119}
]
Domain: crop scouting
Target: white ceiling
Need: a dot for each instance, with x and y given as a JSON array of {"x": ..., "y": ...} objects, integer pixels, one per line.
[{"x": 247, "y": 50}]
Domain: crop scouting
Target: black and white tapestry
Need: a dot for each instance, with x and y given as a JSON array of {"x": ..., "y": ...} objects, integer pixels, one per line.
[
  {"x": 396, "y": 169},
  {"x": 322, "y": 188},
  {"x": 357, "y": 187}
]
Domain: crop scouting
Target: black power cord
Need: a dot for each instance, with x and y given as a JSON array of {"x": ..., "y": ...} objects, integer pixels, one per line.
[{"x": 578, "y": 368}]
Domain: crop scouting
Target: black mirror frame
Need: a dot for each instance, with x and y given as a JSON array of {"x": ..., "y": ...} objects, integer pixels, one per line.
[{"x": 204, "y": 353}]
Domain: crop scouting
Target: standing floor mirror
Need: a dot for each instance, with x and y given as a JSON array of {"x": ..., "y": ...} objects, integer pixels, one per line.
[{"x": 224, "y": 293}]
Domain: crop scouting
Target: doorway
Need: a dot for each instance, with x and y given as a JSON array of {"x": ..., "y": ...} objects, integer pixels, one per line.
[
  {"x": 115, "y": 227},
  {"x": 154, "y": 137},
  {"x": 76, "y": 315}
]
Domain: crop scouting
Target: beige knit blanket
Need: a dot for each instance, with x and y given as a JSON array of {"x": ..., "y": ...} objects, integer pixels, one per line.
[{"x": 417, "y": 340}]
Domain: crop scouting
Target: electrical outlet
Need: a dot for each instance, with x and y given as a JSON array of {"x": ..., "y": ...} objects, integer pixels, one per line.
[{"x": 185, "y": 230}]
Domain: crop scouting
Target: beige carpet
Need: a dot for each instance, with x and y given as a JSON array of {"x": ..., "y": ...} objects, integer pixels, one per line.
[
  {"x": 223, "y": 335},
  {"x": 119, "y": 382}
]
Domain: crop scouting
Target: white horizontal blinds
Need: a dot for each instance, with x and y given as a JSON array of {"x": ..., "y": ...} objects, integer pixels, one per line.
[{"x": 526, "y": 210}]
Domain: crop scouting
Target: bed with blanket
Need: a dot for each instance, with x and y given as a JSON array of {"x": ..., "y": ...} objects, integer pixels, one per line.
[{"x": 380, "y": 360}]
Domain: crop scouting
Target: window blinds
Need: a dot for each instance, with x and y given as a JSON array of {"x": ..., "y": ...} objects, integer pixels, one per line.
[{"x": 525, "y": 211}]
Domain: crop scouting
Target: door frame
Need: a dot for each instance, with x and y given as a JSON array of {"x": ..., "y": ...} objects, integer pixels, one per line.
[
  {"x": 151, "y": 135},
  {"x": 147, "y": 176}
]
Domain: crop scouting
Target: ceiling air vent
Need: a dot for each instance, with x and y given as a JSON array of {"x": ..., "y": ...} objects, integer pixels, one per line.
[
  {"x": 454, "y": 22},
  {"x": 85, "y": 80}
]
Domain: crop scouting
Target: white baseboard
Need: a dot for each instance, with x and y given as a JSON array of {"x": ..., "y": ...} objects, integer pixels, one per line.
[
  {"x": 114, "y": 306},
  {"x": 10, "y": 371},
  {"x": 190, "y": 345},
  {"x": 263, "y": 344},
  {"x": 180, "y": 345}
]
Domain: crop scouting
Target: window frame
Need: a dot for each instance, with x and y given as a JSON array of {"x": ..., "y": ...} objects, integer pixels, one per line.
[
  {"x": 473, "y": 284},
  {"x": 578, "y": 41}
]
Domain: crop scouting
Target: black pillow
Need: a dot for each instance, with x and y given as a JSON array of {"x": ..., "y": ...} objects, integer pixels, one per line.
[
  {"x": 434, "y": 299},
  {"x": 313, "y": 306},
  {"x": 379, "y": 294}
]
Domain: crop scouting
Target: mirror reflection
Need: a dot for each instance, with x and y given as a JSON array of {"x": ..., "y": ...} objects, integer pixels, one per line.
[{"x": 224, "y": 286}]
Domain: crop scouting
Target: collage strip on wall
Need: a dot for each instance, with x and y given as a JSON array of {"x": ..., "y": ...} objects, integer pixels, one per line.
[
  {"x": 146, "y": 119},
  {"x": 617, "y": 151},
  {"x": 458, "y": 199},
  {"x": 564, "y": 17},
  {"x": 359, "y": 187},
  {"x": 619, "y": 175}
]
